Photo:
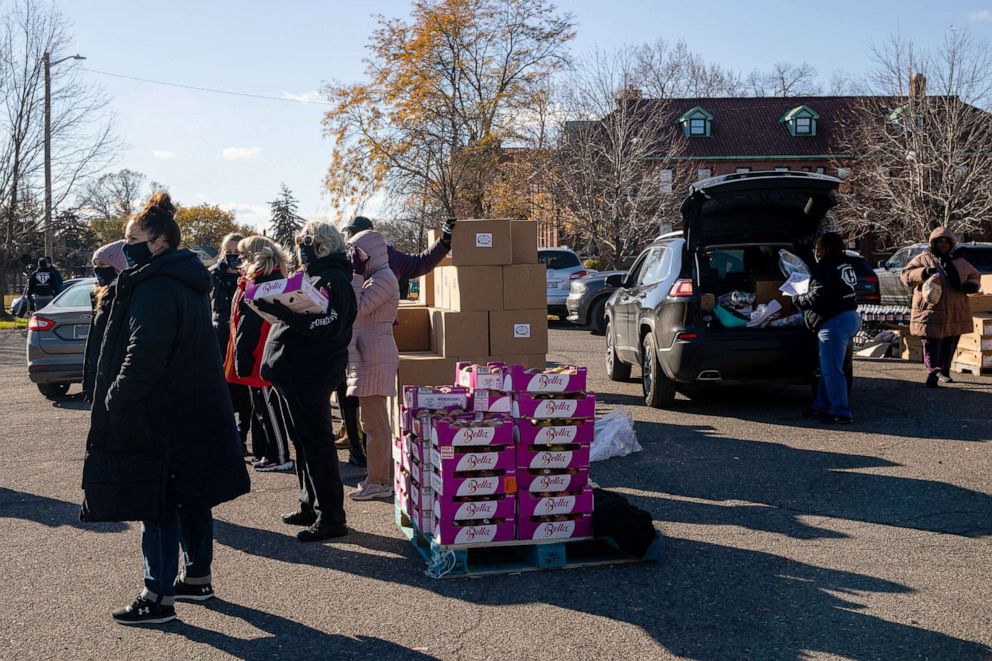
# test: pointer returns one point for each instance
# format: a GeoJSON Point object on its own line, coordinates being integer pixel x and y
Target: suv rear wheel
{"type": "Point", "coordinates": [53, 389]}
{"type": "Point", "coordinates": [659, 390]}
{"type": "Point", "coordinates": [597, 316]}
{"type": "Point", "coordinates": [615, 368]}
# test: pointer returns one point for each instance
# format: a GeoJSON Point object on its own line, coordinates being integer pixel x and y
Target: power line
{"type": "Point", "coordinates": [207, 89]}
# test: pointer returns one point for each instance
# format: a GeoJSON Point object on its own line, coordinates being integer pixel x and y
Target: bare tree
{"type": "Point", "coordinates": [81, 140]}
{"type": "Point", "coordinates": [784, 79]}
{"type": "Point", "coordinates": [667, 71]}
{"type": "Point", "coordinates": [113, 195]}
{"type": "Point", "coordinates": [615, 171]}
{"type": "Point", "coordinates": [924, 144]}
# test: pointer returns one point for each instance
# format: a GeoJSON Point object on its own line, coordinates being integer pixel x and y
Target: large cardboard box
{"type": "Point", "coordinates": [973, 342]}
{"type": "Point", "coordinates": [983, 324]}
{"type": "Point", "coordinates": [523, 234]}
{"type": "Point", "coordinates": [767, 290]}
{"type": "Point", "coordinates": [980, 303]}
{"type": "Point", "coordinates": [524, 287]}
{"type": "Point", "coordinates": [472, 288]}
{"type": "Point", "coordinates": [987, 284]}
{"type": "Point", "coordinates": [426, 296]}
{"type": "Point", "coordinates": [481, 243]}
{"type": "Point", "coordinates": [424, 368]}
{"type": "Point", "coordinates": [459, 333]}
{"type": "Point", "coordinates": [538, 360]}
{"type": "Point", "coordinates": [412, 331]}
{"type": "Point", "coordinates": [979, 359]}
{"type": "Point", "coordinates": [912, 349]}
{"type": "Point", "coordinates": [518, 332]}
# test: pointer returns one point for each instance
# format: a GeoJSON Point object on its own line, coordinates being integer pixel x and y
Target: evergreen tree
{"type": "Point", "coordinates": [285, 220]}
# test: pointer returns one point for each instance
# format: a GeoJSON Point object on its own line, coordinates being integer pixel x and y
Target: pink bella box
{"type": "Point", "coordinates": [295, 292]}
{"type": "Point", "coordinates": [520, 379]}
{"type": "Point", "coordinates": [526, 406]}
{"type": "Point", "coordinates": [449, 533]}
{"type": "Point", "coordinates": [491, 401]}
{"type": "Point", "coordinates": [497, 507]}
{"type": "Point", "coordinates": [425, 397]}
{"type": "Point", "coordinates": [573, 479]}
{"type": "Point", "coordinates": [527, 433]}
{"type": "Point", "coordinates": [539, 528]}
{"type": "Point", "coordinates": [480, 377]}
{"type": "Point", "coordinates": [562, 503]}
{"type": "Point", "coordinates": [535, 457]}
{"type": "Point", "coordinates": [444, 433]}
{"type": "Point", "coordinates": [451, 486]}
{"type": "Point", "coordinates": [446, 460]}
{"type": "Point", "coordinates": [422, 497]}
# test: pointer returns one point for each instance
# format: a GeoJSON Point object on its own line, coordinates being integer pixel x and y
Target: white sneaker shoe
{"type": "Point", "coordinates": [371, 492]}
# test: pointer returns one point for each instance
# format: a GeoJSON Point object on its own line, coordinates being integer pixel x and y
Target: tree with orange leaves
{"type": "Point", "coordinates": [444, 91]}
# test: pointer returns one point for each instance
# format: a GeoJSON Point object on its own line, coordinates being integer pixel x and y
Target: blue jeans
{"type": "Point", "coordinates": [835, 336]}
{"type": "Point", "coordinates": [160, 543]}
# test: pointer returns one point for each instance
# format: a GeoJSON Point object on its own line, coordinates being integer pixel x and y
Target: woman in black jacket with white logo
{"type": "Point", "coordinates": [831, 310]}
{"type": "Point", "coordinates": [162, 448]}
{"type": "Point", "coordinates": [305, 358]}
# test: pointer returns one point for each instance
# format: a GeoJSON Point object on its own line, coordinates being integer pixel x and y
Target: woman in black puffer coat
{"type": "Point", "coordinates": [163, 448]}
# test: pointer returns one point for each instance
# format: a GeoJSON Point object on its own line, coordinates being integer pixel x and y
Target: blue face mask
{"type": "Point", "coordinates": [105, 275]}
{"type": "Point", "coordinates": [233, 261]}
{"type": "Point", "coordinates": [137, 254]}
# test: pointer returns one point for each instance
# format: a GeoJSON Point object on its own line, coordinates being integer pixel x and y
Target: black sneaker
{"type": "Point", "coordinates": [188, 592]}
{"type": "Point", "coordinates": [814, 414]}
{"type": "Point", "coordinates": [144, 611]}
{"type": "Point", "coordinates": [945, 378]}
{"type": "Point", "coordinates": [300, 518]}
{"type": "Point", "coordinates": [320, 531]}
{"type": "Point", "coordinates": [838, 419]}
{"type": "Point", "coordinates": [933, 380]}
{"type": "Point", "coordinates": [356, 459]}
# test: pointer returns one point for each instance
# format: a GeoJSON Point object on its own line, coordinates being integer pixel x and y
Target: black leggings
{"type": "Point", "coordinates": [269, 437]}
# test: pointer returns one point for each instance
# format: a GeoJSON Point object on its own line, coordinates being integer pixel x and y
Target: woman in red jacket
{"type": "Point", "coordinates": [262, 260]}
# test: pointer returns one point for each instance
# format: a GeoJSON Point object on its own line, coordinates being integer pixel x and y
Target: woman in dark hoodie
{"type": "Point", "coordinates": [305, 358]}
{"type": "Point", "coordinates": [831, 310]}
{"type": "Point", "coordinates": [941, 324]}
{"type": "Point", "coordinates": [162, 448]}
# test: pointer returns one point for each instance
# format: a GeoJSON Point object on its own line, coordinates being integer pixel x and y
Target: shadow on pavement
{"type": "Point", "coordinates": [289, 639]}
{"type": "Point", "coordinates": [703, 601]}
{"type": "Point", "coordinates": [793, 481]}
{"type": "Point", "coordinates": [48, 511]}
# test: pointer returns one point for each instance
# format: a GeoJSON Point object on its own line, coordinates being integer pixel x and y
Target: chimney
{"type": "Point", "coordinates": [627, 94]}
{"type": "Point", "coordinates": [917, 86]}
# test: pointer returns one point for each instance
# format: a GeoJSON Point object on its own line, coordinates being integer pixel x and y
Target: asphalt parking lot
{"type": "Point", "coordinates": [783, 540]}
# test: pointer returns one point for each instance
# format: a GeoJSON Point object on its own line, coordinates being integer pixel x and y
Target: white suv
{"type": "Point", "coordinates": [563, 266]}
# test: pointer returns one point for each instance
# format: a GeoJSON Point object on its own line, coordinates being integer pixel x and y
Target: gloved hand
{"type": "Point", "coordinates": [449, 225]}
{"type": "Point", "coordinates": [275, 308]}
{"type": "Point", "coordinates": [930, 271]}
{"type": "Point", "coordinates": [970, 287]}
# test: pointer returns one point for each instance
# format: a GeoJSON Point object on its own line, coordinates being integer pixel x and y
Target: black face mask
{"type": "Point", "coordinates": [308, 254]}
{"type": "Point", "coordinates": [233, 261]}
{"type": "Point", "coordinates": [105, 275]}
{"type": "Point", "coordinates": [137, 254]}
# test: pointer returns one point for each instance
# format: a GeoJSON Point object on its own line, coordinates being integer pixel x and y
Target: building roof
{"type": "Point", "coordinates": [750, 127]}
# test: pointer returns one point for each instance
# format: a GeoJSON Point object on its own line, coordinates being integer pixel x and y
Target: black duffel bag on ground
{"type": "Point", "coordinates": [626, 524]}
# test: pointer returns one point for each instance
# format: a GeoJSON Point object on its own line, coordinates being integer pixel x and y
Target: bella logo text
{"type": "Point", "coordinates": [556, 505]}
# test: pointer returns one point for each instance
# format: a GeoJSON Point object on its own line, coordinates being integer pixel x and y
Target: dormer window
{"type": "Point", "coordinates": [696, 123]}
{"type": "Point", "coordinates": [800, 121]}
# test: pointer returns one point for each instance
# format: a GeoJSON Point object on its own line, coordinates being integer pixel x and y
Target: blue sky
{"type": "Point", "coordinates": [235, 151]}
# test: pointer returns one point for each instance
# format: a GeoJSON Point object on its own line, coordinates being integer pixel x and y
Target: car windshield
{"type": "Point", "coordinates": [77, 296]}
{"type": "Point", "coordinates": [558, 259]}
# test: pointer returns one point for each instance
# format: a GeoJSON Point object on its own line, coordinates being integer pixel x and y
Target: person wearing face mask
{"type": "Point", "coordinates": [830, 308]}
{"type": "Point", "coordinates": [162, 447]}
{"type": "Point", "coordinates": [940, 325]}
{"type": "Point", "coordinates": [224, 281]}
{"type": "Point", "coordinates": [374, 358]}
{"type": "Point", "coordinates": [305, 359]}
{"type": "Point", "coordinates": [108, 262]}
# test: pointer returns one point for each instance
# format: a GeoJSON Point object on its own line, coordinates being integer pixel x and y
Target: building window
{"type": "Point", "coordinates": [804, 125]}
{"type": "Point", "coordinates": [782, 169]}
{"type": "Point", "coordinates": [800, 121]}
{"type": "Point", "coordinates": [696, 123]}
{"type": "Point", "coordinates": [704, 173]}
{"type": "Point", "coordinates": [667, 177]}
{"type": "Point", "coordinates": [821, 171]}
{"type": "Point", "coordinates": [697, 127]}
{"type": "Point", "coordinates": [742, 170]}
{"type": "Point", "coordinates": [805, 168]}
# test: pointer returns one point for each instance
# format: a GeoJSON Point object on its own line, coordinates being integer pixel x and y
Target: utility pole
{"type": "Point", "coordinates": [48, 146]}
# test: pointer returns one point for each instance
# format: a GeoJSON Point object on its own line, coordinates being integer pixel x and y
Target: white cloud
{"type": "Point", "coordinates": [307, 97]}
{"type": "Point", "coordinates": [200, 196]}
{"type": "Point", "coordinates": [245, 212]}
{"type": "Point", "coordinates": [239, 153]}
{"type": "Point", "coordinates": [163, 154]}
{"type": "Point", "coordinates": [983, 16]}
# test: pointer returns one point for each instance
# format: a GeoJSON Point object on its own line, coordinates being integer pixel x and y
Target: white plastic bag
{"type": "Point", "coordinates": [615, 436]}
{"type": "Point", "coordinates": [932, 290]}
{"type": "Point", "coordinates": [791, 264]}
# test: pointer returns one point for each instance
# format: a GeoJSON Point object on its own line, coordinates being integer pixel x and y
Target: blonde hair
{"type": "Point", "coordinates": [326, 237]}
{"type": "Point", "coordinates": [231, 236]}
{"type": "Point", "coordinates": [262, 255]}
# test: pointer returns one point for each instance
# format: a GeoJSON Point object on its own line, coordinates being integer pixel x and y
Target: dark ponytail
{"type": "Point", "coordinates": [158, 218]}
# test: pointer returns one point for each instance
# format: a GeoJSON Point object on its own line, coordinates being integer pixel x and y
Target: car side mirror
{"type": "Point", "coordinates": [615, 280]}
{"type": "Point", "coordinates": [883, 264]}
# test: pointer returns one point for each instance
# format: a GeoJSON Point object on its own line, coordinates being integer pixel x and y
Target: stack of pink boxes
{"type": "Point", "coordinates": [501, 455]}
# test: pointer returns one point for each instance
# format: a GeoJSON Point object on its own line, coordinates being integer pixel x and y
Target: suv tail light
{"type": "Point", "coordinates": [578, 274]}
{"type": "Point", "coordinates": [871, 279]}
{"type": "Point", "coordinates": [37, 323]}
{"type": "Point", "coordinates": [682, 289]}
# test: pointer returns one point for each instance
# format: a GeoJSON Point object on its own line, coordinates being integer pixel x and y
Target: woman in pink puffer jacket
{"type": "Point", "coordinates": [373, 357]}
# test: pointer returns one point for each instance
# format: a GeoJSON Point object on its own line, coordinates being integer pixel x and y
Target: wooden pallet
{"type": "Point", "coordinates": [961, 368]}
{"type": "Point", "coordinates": [514, 557]}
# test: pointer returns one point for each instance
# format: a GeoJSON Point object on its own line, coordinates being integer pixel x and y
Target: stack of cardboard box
{"type": "Point", "coordinates": [974, 352]}
{"type": "Point", "coordinates": [486, 301]}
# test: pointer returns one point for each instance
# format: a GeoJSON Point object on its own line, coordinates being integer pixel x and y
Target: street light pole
{"type": "Point", "coordinates": [48, 146]}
